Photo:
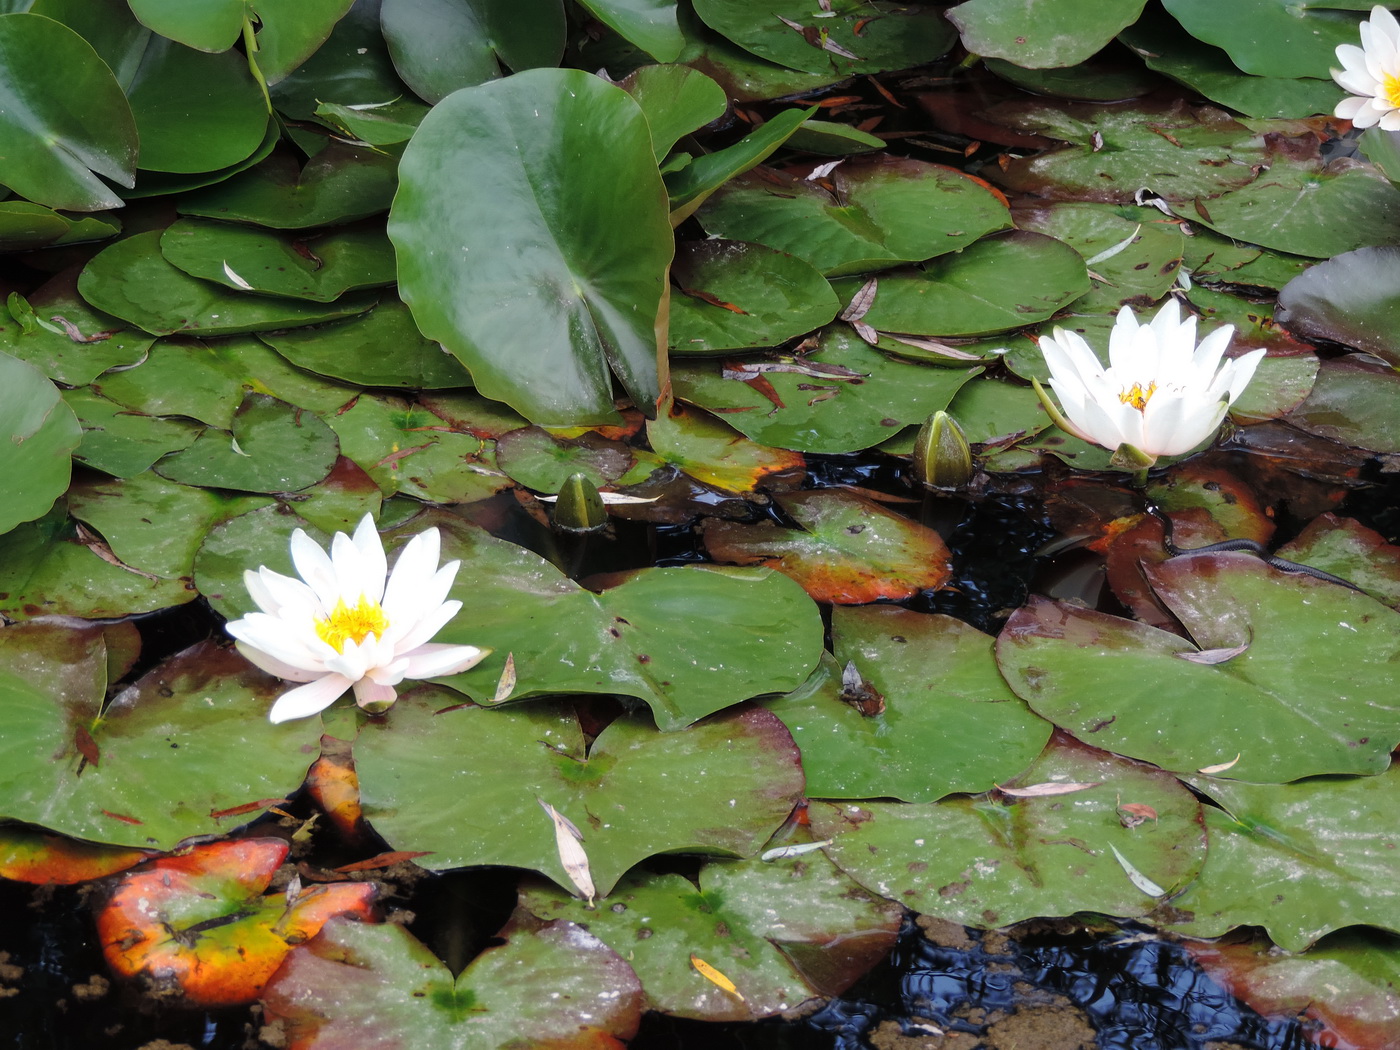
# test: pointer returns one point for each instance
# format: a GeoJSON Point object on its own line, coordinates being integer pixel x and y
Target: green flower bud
{"type": "Point", "coordinates": [942, 459]}
{"type": "Point", "coordinates": [580, 508]}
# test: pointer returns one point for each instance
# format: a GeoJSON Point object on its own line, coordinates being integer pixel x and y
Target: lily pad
{"type": "Point", "coordinates": [199, 928]}
{"type": "Point", "coordinates": [782, 933]}
{"type": "Point", "coordinates": [123, 442]}
{"type": "Point", "coordinates": [133, 281]}
{"type": "Point", "coordinates": [66, 120]}
{"type": "Point", "coordinates": [729, 295]}
{"type": "Point", "coordinates": [1273, 38]}
{"type": "Point", "coordinates": [1210, 71]}
{"type": "Point", "coordinates": [544, 463]}
{"type": "Point", "coordinates": [1312, 692]}
{"type": "Point", "coordinates": [843, 397]}
{"type": "Point", "coordinates": [179, 377]}
{"type": "Point", "coordinates": [76, 356]}
{"type": "Point", "coordinates": [557, 987]}
{"type": "Point", "coordinates": [572, 302]}
{"type": "Point", "coordinates": [715, 454]}
{"type": "Point", "coordinates": [1301, 860]}
{"type": "Point", "coordinates": [1348, 549]}
{"type": "Point", "coordinates": [1351, 298]}
{"type": "Point", "coordinates": [1135, 258]}
{"type": "Point", "coordinates": [320, 266]}
{"type": "Point", "coordinates": [40, 433]}
{"type": "Point", "coordinates": [1355, 401]}
{"type": "Point", "coordinates": [850, 38]}
{"type": "Point", "coordinates": [439, 46]}
{"type": "Point", "coordinates": [43, 859]}
{"type": "Point", "coordinates": [339, 184]}
{"type": "Point", "coordinates": [1307, 209]}
{"type": "Point", "coordinates": [877, 212]}
{"type": "Point", "coordinates": [25, 226]}
{"type": "Point", "coordinates": [1002, 282]}
{"type": "Point", "coordinates": [408, 449]}
{"type": "Point", "coordinates": [850, 550]}
{"type": "Point", "coordinates": [689, 641]}
{"type": "Point", "coordinates": [949, 722]}
{"type": "Point", "coordinates": [635, 793]}
{"type": "Point", "coordinates": [1039, 35]}
{"type": "Point", "coordinates": [675, 100]}
{"type": "Point", "coordinates": [690, 186]}
{"type": "Point", "coordinates": [1178, 151]}
{"type": "Point", "coordinates": [353, 350]}
{"type": "Point", "coordinates": [272, 447]}
{"type": "Point", "coordinates": [991, 860]}
{"type": "Point", "coordinates": [183, 752]}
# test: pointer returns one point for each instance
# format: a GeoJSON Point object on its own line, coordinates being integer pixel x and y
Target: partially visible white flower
{"type": "Point", "coordinates": [1161, 394]}
{"type": "Point", "coordinates": [341, 627]}
{"type": "Point", "coordinates": [1372, 74]}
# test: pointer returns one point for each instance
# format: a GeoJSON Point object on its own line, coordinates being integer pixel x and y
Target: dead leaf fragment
{"type": "Point", "coordinates": [1046, 790]}
{"type": "Point", "coordinates": [716, 978]}
{"type": "Point", "coordinates": [568, 840]}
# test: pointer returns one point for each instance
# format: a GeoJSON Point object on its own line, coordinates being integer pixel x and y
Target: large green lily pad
{"type": "Point", "coordinates": [949, 722]}
{"type": "Point", "coordinates": [1346, 548]}
{"type": "Point", "coordinates": [558, 987]}
{"type": "Point", "coordinates": [991, 860]}
{"type": "Point", "coordinates": [1301, 860]}
{"type": "Point", "coordinates": [1355, 401]}
{"type": "Point", "coordinates": [550, 286]}
{"type": "Point", "coordinates": [782, 933]}
{"type": "Point", "coordinates": [123, 442]}
{"type": "Point", "coordinates": [1273, 38]}
{"type": "Point", "coordinates": [871, 213]}
{"type": "Point", "coordinates": [1038, 34]}
{"type": "Point", "coordinates": [65, 121]}
{"type": "Point", "coordinates": [1312, 692]}
{"type": "Point", "coordinates": [844, 397]}
{"type": "Point", "coordinates": [183, 752]}
{"type": "Point", "coordinates": [999, 283]}
{"type": "Point", "coordinates": [849, 550]}
{"type": "Point", "coordinates": [675, 100]}
{"type": "Point", "coordinates": [467, 782]}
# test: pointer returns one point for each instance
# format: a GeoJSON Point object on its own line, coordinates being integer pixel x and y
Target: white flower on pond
{"type": "Point", "coordinates": [341, 626]}
{"type": "Point", "coordinates": [1161, 394]}
{"type": "Point", "coordinates": [1372, 74]}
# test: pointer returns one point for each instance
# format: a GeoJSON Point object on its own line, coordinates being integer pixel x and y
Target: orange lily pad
{"type": "Point", "coordinates": [334, 786]}
{"type": "Point", "coordinates": [28, 855]}
{"type": "Point", "coordinates": [850, 550]}
{"type": "Point", "coordinates": [199, 930]}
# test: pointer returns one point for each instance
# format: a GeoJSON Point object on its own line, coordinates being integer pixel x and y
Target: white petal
{"type": "Point", "coordinates": [274, 666]}
{"type": "Point", "coordinates": [372, 561]}
{"type": "Point", "coordinates": [368, 693]}
{"type": "Point", "coordinates": [289, 597]}
{"type": "Point", "coordinates": [416, 565]}
{"type": "Point", "coordinates": [1348, 108]}
{"type": "Point", "coordinates": [434, 661]}
{"type": "Point", "coordinates": [1365, 116]}
{"type": "Point", "coordinates": [1243, 372]}
{"type": "Point", "coordinates": [279, 639]}
{"type": "Point", "coordinates": [314, 566]}
{"type": "Point", "coordinates": [308, 699]}
{"type": "Point", "coordinates": [354, 660]}
{"type": "Point", "coordinates": [406, 607]}
{"type": "Point", "coordinates": [1356, 81]}
{"type": "Point", "coordinates": [1211, 350]}
{"type": "Point", "coordinates": [427, 626]}
{"type": "Point", "coordinates": [1384, 22]}
{"type": "Point", "coordinates": [1390, 122]}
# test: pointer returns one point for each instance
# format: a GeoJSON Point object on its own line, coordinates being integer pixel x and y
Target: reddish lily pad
{"type": "Point", "coordinates": [938, 717]}
{"type": "Point", "coordinates": [1357, 968]}
{"type": "Point", "coordinates": [27, 855]}
{"type": "Point", "coordinates": [852, 551]}
{"type": "Point", "coordinates": [198, 929]}
{"type": "Point", "coordinates": [334, 786]}
{"type": "Point", "coordinates": [1300, 859]}
{"type": "Point", "coordinates": [712, 453]}
{"type": "Point", "coordinates": [1312, 690]}
{"type": "Point", "coordinates": [991, 860]}
{"type": "Point", "coordinates": [1348, 549]}
{"type": "Point", "coordinates": [557, 986]}
{"type": "Point", "coordinates": [634, 793]}
{"type": "Point", "coordinates": [782, 933]}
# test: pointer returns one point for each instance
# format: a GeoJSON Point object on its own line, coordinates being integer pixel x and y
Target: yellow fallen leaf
{"type": "Point", "coordinates": [716, 978]}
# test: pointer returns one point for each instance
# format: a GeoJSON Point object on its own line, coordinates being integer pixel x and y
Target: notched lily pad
{"type": "Point", "coordinates": [781, 933]}
{"type": "Point", "coordinates": [1351, 298]}
{"type": "Point", "coordinates": [723, 786]}
{"type": "Point", "coordinates": [851, 550]}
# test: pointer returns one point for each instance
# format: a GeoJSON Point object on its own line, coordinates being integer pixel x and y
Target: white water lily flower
{"type": "Point", "coordinates": [1372, 74]}
{"type": "Point", "coordinates": [1161, 394]}
{"type": "Point", "coordinates": [341, 627]}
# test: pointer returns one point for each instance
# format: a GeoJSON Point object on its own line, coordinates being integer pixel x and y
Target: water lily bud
{"type": "Point", "coordinates": [942, 459]}
{"type": "Point", "coordinates": [579, 508]}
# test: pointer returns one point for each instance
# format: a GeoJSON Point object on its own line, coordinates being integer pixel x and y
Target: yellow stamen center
{"type": "Point", "coordinates": [352, 623]}
{"type": "Point", "coordinates": [1390, 90]}
{"type": "Point", "coordinates": [1137, 396]}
